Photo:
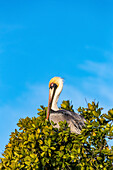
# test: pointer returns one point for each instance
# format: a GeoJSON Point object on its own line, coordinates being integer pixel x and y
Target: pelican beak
{"type": "Point", "coordinates": [49, 104]}
{"type": "Point", "coordinates": [51, 96]}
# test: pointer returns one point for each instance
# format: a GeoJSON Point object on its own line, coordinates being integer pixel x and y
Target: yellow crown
{"type": "Point", "coordinates": [55, 80]}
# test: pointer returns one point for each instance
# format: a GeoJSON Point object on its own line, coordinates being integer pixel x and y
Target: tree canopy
{"type": "Point", "coordinates": [38, 145]}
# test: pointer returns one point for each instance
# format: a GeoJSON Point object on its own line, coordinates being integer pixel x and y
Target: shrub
{"type": "Point", "coordinates": [38, 145]}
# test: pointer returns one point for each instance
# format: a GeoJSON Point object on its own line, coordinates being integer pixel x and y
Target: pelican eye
{"type": "Point", "coordinates": [53, 85]}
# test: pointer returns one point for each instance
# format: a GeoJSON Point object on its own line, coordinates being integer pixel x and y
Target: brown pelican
{"type": "Point", "coordinates": [74, 120]}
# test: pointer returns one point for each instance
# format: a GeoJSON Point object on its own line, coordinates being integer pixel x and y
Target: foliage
{"type": "Point", "coordinates": [38, 145]}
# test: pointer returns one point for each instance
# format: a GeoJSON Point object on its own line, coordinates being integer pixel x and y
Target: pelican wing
{"type": "Point", "coordinates": [75, 121]}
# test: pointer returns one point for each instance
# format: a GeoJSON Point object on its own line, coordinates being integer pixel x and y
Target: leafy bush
{"type": "Point", "coordinates": [38, 145]}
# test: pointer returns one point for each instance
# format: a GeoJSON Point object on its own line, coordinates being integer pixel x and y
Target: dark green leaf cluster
{"type": "Point", "coordinates": [38, 145]}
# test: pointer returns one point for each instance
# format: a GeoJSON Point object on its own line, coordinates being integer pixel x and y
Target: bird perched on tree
{"type": "Point", "coordinates": [74, 120]}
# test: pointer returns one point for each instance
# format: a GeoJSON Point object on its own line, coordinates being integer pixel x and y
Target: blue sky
{"type": "Point", "coordinates": [41, 39]}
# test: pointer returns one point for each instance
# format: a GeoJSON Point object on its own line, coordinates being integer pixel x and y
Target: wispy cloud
{"type": "Point", "coordinates": [99, 81]}
{"type": "Point", "coordinates": [108, 54]}
{"type": "Point", "coordinates": [100, 69]}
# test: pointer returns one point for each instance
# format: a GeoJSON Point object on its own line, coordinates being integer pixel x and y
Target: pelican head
{"type": "Point", "coordinates": [55, 88]}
